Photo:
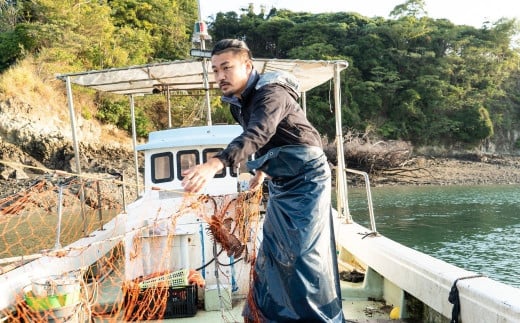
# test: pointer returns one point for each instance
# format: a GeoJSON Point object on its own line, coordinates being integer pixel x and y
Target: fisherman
{"type": "Point", "coordinates": [295, 273]}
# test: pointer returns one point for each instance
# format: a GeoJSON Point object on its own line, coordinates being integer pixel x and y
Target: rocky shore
{"type": "Point", "coordinates": [453, 171]}
{"type": "Point", "coordinates": [32, 138]}
{"type": "Point", "coordinates": [419, 170]}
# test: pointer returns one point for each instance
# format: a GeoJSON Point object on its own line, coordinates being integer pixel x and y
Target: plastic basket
{"type": "Point", "coordinates": [174, 279]}
{"type": "Point", "coordinates": [180, 302]}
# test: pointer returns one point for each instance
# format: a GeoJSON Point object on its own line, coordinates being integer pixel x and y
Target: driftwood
{"type": "Point", "coordinates": [372, 157]}
{"type": "Point", "coordinates": [385, 161]}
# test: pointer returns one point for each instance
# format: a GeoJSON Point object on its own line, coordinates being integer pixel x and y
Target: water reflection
{"type": "Point", "coordinates": [473, 227]}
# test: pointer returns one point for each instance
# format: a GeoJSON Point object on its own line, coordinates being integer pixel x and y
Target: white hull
{"type": "Point", "coordinates": [392, 270]}
{"type": "Point", "coordinates": [426, 278]}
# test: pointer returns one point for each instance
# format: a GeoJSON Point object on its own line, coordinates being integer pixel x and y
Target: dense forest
{"type": "Point", "coordinates": [411, 77]}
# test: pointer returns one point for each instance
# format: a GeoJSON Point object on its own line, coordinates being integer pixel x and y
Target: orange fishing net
{"type": "Point", "coordinates": [43, 222]}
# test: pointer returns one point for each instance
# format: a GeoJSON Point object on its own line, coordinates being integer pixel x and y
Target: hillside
{"type": "Point", "coordinates": [35, 131]}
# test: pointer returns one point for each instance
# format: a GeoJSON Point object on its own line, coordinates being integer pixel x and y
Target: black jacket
{"type": "Point", "coordinates": [270, 116]}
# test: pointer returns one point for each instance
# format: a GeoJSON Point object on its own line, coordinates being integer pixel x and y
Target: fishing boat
{"type": "Point", "coordinates": [169, 255]}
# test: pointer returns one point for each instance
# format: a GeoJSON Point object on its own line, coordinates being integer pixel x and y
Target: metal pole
{"type": "Point", "coordinates": [73, 124]}
{"type": "Point", "coordinates": [219, 293]}
{"type": "Point", "coordinates": [76, 149]}
{"type": "Point", "coordinates": [100, 211]}
{"type": "Point", "coordinates": [199, 12]}
{"type": "Point", "coordinates": [369, 197]}
{"type": "Point", "coordinates": [123, 191]}
{"type": "Point", "coordinates": [206, 82]}
{"type": "Point", "coordinates": [57, 245]}
{"type": "Point", "coordinates": [168, 98]}
{"type": "Point", "coordinates": [204, 69]}
{"type": "Point", "coordinates": [134, 143]}
{"type": "Point", "coordinates": [342, 203]}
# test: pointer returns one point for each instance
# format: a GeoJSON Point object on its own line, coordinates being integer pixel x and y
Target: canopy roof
{"type": "Point", "coordinates": [188, 75]}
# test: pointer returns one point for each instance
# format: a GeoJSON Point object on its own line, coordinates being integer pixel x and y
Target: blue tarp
{"type": "Point", "coordinates": [296, 272]}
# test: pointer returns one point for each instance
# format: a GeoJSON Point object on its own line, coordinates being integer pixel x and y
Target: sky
{"type": "Point", "coordinates": [460, 12]}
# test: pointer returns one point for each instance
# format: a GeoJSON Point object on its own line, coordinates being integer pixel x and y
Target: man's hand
{"type": "Point", "coordinates": [196, 177]}
{"type": "Point", "coordinates": [257, 180]}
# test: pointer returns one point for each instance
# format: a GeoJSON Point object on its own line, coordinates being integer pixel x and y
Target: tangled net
{"type": "Point", "coordinates": [232, 229]}
{"type": "Point", "coordinates": [30, 229]}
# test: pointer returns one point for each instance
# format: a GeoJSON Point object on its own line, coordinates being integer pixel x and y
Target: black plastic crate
{"type": "Point", "coordinates": [149, 303]}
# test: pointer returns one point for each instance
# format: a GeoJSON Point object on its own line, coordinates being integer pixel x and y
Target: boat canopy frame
{"type": "Point", "coordinates": [183, 77]}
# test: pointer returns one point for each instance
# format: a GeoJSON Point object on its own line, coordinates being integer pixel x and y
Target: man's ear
{"type": "Point", "coordinates": [249, 65]}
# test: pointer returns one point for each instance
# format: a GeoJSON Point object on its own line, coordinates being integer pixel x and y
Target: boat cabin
{"type": "Point", "coordinates": [169, 152]}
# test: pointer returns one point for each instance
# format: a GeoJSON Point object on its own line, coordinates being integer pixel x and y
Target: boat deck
{"type": "Point", "coordinates": [354, 310]}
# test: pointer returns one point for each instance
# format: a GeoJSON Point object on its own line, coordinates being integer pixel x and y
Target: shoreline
{"type": "Point", "coordinates": [452, 171]}
{"type": "Point", "coordinates": [418, 171]}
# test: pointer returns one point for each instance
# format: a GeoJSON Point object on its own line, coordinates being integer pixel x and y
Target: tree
{"type": "Point", "coordinates": [411, 8]}
{"type": "Point", "coordinates": [163, 25]}
{"type": "Point", "coordinates": [413, 78]}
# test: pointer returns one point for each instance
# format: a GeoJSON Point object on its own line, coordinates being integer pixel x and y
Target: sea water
{"type": "Point", "coordinates": [473, 227]}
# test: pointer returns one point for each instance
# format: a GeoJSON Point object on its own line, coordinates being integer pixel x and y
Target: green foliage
{"type": "Point", "coordinates": [98, 34]}
{"type": "Point", "coordinates": [222, 115]}
{"type": "Point", "coordinates": [321, 114]}
{"type": "Point", "coordinates": [410, 8]}
{"type": "Point", "coordinates": [412, 77]}
{"type": "Point", "coordinates": [142, 123]}
{"type": "Point", "coordinates": [10, 51]}
{"type": "Point", "coordinates": [21, 40]}
{"type": "Point", "coordinates": [118, 113]}
{"type": "Point", "coordinates": [314, 51]}
{"type": "Point", "coordinates": [517, 143]}
{"type": "Point", "coordinates": [86, 114]}
{"type": "Point", "coordinates": [473, 125]}
{"type": "Point", "coordinates": [155, 30]}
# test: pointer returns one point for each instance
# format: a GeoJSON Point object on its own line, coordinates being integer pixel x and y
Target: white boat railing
{"type": "Point", "coordinates": [369, 197]}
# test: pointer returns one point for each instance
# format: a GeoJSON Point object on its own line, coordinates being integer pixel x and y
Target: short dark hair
{"type": "Point", "coordinates": [229, 44]}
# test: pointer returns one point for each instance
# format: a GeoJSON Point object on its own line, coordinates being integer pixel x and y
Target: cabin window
{"type": "Point", "coordinates": [162, 167]}
{"type": "Point", "coordinates": [210, 152]}
{"type": "Point", "coordinates": [185, 160]}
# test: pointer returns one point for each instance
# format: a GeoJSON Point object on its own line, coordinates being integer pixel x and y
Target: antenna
{"type": "Point", "coordinates": [200, 35]}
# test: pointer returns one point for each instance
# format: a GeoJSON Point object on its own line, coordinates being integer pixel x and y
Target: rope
{"type": "Point", "coordinates": [370, 234]}
{"type": "Point", "coordinates": [453, 298]}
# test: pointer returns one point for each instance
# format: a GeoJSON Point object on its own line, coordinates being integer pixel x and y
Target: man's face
{"type": "Point", "coordinates": [231, 71]}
